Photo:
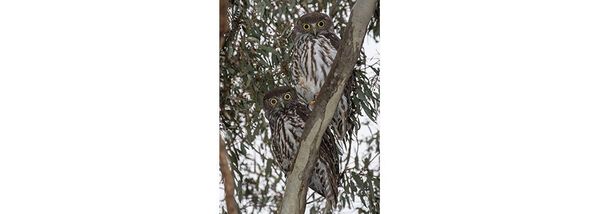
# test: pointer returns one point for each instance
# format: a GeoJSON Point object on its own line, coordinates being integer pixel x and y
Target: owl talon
{"type": "Point", "coordinates": [311, 104]}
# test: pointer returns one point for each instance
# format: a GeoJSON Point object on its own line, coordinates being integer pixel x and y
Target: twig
{"type": "Point", "coordinates": [348, 158]}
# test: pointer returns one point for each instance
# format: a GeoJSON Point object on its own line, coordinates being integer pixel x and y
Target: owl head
{"type": "Point", "coordinates": [313, 23]}
{"type": "Point", "coordinates": [279, 99]}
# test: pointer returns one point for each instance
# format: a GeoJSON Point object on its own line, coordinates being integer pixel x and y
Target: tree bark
{"type": "Point", "coordinates": [223, 22]}
{"type": "Point", "coordinates": [294, 200]}
{"type": "Point", "coordinates": [232, 206]}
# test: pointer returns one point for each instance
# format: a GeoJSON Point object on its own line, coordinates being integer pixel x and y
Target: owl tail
{"type": "Point", "coordinates": [329, 205]}
{"type": "Point", "coordinates": [331, 195]}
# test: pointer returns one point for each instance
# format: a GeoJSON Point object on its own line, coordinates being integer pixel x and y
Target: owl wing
{"type": "Point", "coordinates": [333, 39]}
{"type": "Point", "coordinates": [302, 110]}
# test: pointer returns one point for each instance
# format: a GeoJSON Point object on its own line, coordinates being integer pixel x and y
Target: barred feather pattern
{"type": "Point", "coordinates": [287, 125]}
{"type": "Point", "coordinates": [312, 58]}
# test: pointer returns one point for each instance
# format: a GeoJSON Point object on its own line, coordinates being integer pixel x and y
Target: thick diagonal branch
{"type": "Point", "coordinates": [294, 200]}
{"type": "Point", "coordinates": [232, 207]}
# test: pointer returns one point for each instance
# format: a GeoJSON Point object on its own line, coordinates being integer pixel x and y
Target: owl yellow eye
{"type": "Point", "coordinates": [306, 26]}
{"type": "Point", "coordinates": [273, 101]}
{"type": "Point", "coordinates": [287, 96]}
{"type": "Point", "coordinates": [321, 24]}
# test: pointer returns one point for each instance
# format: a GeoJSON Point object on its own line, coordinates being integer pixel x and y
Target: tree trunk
{"type": "Point", "coordinates": [294, 200]}
{"type": "Point", "coordinates": [232, 207]}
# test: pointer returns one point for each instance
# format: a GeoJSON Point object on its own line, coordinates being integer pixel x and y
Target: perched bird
{"type": "Point", "coordinates": [287, 116]}
{"type": "Point", "coordinates": [312, 56]}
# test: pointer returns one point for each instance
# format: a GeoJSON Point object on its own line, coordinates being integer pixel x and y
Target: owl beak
{"type": "Point", "coordinates": [314, 30]}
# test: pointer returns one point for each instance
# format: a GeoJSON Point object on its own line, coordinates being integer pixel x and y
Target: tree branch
{"type": "Point", "coordinates": [232, 206]}
{"type": "Point", "coordinates": [294, 200]}
{"type": "Point", "coordinates": [223, 22]}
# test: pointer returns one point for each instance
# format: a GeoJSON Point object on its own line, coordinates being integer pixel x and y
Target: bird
{"type": "Point", "coordinates": [312, 54]}
{"type": "Point", "coordinates": [287, 115]}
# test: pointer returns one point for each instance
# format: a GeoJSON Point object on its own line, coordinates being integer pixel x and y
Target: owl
{"type": "Point", "coordinates": [312, 56]}
{"type": "Point", "coordinates": [287, 115]}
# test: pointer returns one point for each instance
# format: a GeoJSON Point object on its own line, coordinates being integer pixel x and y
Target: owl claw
{"type": "Point", "coordinates": [311, 104]}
